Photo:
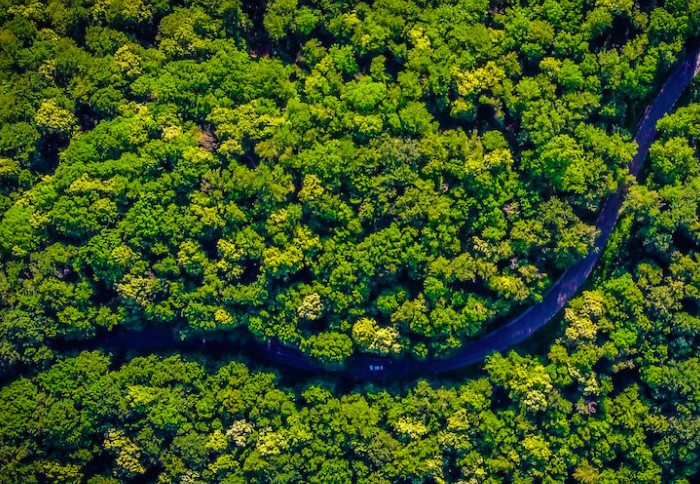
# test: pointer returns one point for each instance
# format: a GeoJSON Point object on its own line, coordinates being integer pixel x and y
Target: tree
{"type": "Point", "coordinates": [370, 337]}
{"type": "Point", "coordinates": [673, 160]}
{"type": "Point", "coordinates": [330, 347]}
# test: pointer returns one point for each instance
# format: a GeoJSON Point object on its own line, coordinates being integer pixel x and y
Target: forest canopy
{"type": "Point", "coordinates": [392, 177]}
{"type": "Point", "coordinates": [388, 177]}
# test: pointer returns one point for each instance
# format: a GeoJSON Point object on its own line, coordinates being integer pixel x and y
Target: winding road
{"type": "Point", "coordinates": [363, 367]}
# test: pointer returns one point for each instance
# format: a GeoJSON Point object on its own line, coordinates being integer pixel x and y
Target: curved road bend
{"type": "Point", "coordinates": [363, 367]}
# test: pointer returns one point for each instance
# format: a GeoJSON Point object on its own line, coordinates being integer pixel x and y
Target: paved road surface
{"type": "Point", "coordinates": [364, 367]}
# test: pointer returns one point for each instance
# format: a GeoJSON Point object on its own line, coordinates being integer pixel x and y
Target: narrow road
{"type": "Point", "coordinates": [363, 367]}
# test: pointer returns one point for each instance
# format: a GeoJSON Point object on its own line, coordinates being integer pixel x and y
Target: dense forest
{"type": "Point", "coordinates": [393, 177]}
{"type": "Point", "coordinates": [338, 177]}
